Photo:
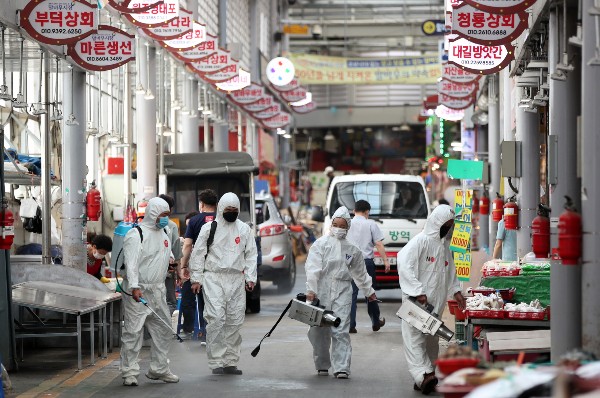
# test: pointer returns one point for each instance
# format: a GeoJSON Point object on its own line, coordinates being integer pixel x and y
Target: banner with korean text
{"type": "Point", "coordinates": [317, 69]}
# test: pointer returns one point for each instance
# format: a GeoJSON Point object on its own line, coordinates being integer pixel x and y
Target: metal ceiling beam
{"type": "Point", "coordinates": [360, 116]}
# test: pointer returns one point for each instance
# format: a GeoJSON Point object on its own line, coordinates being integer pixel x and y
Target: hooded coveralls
{"type": "Point", "coordinates": [331, 266]}
{"type": "Point", "coordinates": [147, 263]}
{"type": "Point", "coordinates": [425, 266]}
{"type": "Point", "coordinates": [231, 262]}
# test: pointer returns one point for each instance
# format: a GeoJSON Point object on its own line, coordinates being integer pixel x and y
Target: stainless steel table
{"type": "Point", "coordinates": [32, 297]}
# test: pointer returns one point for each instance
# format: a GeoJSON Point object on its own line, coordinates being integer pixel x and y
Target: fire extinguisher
{"type": "Point", "coordinates": [141, 207]}
{"type": "Point", "coordinates": [7, 222]}
{"type": "Point", "coordinates": [93, 202]}
{"type": "Point", "coordinates": [497, 208]}
{"type": "Point", "coordinates": [484, 204]}
{"type": "Point", "coordinates": [511, 214]}
{"type": "Point", "coordinates": [475, 208]}
{"type": "Point", "coordinates": [569, 234]}
{"type": "Point", "coordinates": [540, 232]}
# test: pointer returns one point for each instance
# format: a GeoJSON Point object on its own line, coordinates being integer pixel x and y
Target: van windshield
{"type": "Point", "coordinates": [388, 199]}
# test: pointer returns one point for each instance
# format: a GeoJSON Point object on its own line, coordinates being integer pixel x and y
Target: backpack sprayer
{"type": "Point", "coordinates": [311, 314]}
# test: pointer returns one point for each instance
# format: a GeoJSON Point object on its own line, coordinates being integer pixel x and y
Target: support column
{"type": "Point", "coordinates": [529, 187]}
{"type": "Point", "coordinates": [190, 137]}
{"type": "Point", "coordinates": [565, 103]}
{"type": "Point", "coordinates": [494, 139]}
{"type": "Point", "coordinates": [206, 118]}
{"type": "Point", "coordinates": [73, 172]}
{"type": "Point", "coordinates": [146, 126]}
{"type": "Point", "coordinates": [590, 192]}
{"type": "Point", "coordinates": [484, 219]}
{"type": "Point", "coordinates": [240, 132]}
{"type": "Point", "coordinates": [254, 38]}
{"type": "Point", "coordinates": [128, 135]}
{"type": "Point", "coordinates": [284, 178]}
{"type": "Point", "coordinates": [223, 23]}
{"type": "Point", "coordinates": [220, 136]}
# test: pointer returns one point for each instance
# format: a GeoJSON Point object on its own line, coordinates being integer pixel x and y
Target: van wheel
{"type": "Point", "coordinates": [286, 284]}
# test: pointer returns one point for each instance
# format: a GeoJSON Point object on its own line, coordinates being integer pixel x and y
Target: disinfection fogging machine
{"type": "Point", "coordinates": [422, 318]}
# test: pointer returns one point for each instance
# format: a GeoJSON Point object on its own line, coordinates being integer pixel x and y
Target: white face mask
{"type": "Point", "coordinates": [97, 255]}
{"type": "Point", "coordinates": [339, 233]}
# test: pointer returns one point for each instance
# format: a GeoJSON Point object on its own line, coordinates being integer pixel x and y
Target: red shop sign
{"type": "Point", "coordinates": [458, 75]}
{"type": "Point", "coordinates": [483, 27]}
{"type": "Point", "coordinates": [294, 95]}
{"type": "Point", "coordinates": [161, 14]}
{"type": "Point", "coordinates": [201, 51]}
{"type": "Point", "coordinates": [290, 86]}
{"type": "Point", "coordinates": [478, 58]}
{"type": "Point", "coordinates": [212, 63]}
{"type": "Point", "coordinates": [501, 6]}
{"type": "Point", "coordinates": [106, 49]}
{"type": "Point", "coordinates": [224, 74]}
{"type": "Point", "coordinates": [260, 105]}
{"type": "Point", "coordinates": [271, 111]}
{"type": "Point", "coordinates": [281, 120]}
{"type": "Point", "coordinates": [311, 106]}
{"type": "Point", "coordinates": [456, 103]}
{"type": "Point", "coordinates": [174, 29]}
{"type": "Point", "coordinates": [122, 8]}
{"type": "Point", "coordinates": [431, 102]}
{"type": "Point", "coordinates": [456, 89]}
{"type": "Point", "coordinates": [189, 40]}
{"type": "Point", "coordinates": [58, 21]}
{"type": "Point", "coordinates": [248, 95]}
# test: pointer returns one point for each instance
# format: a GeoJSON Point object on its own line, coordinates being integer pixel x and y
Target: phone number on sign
{"type": "Point", "coordinates": [62, 31]}
{"type": "Point", "coordinates": [98, 59]}
{"type": "Point", "coordinates": [476, 62]}
{"type": "Point", "coordinates": [486, 32]}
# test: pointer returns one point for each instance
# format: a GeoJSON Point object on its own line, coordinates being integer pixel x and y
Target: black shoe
{"type": "Point", "coordinates": [381, 324]}
{"type": "Point", "coordinates": [429, 383]}
{"type": "Point", "coordinates": [416, 387]}
{"type": "Point", "coordinates": [232, 370]}
{"type": "Point", "coordinates": [353, 330]}
{"type": "Point", "coordinates": [218, 371]}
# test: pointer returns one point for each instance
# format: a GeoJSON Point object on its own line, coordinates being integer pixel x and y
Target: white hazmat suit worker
{"type": "Point", "coordinates": [332, 263]}
{"type": "Point", "coordinates": [222, 274]}
{"type": "Point", "coordinates": [427, 272]}
{"type": "Point", "coordinates": [146, 264]}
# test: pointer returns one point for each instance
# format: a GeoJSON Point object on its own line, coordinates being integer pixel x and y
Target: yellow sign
{"type": "Point", "coordinates": [296, 29]}
{"type": "Point", "coordinates": [429, 27]}
{"type": "Point", "coordinates": [461, 237]}
{"type": "Point", "coordinates": [462, 262]}
{"type": "Point", "coordinates": [458, 199]}
{"type": "Point", "coordinates": [319, 69]}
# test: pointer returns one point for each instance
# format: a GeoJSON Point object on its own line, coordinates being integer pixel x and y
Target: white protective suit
{"type": "Point", "coordinates": [231, 262]}
{"type": "Point", "coordinates": [147, 263]}
{"type": "Point", "coordinates": [331, 266]}
{"type": "Point", "coordinates": [425, 266]}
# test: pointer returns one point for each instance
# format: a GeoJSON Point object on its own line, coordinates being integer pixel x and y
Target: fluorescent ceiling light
{"type": "Point", "coordinates": [329, 136]}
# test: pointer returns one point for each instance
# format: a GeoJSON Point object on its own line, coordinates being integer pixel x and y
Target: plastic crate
{"type": "Point", "coordinates": [485, 314]}
{"type": "Point", "coordinates": [459, 332]}
{"type": "Point", "coordinates": [529, 316]}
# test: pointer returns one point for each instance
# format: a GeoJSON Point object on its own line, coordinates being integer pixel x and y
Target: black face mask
{"type": "Point", "coordinates": [230, 216]}
{"type": "Point", "coordinates": [444, 231]}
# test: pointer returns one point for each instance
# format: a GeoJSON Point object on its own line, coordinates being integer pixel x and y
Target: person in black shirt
{"type": "Point", "coordinates": [208, 211]}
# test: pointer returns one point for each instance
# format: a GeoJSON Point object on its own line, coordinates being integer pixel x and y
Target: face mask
{"type": "Point", "coordinates": [97, 255]}
{"type": "Point", "coordinates": [339, 233]}
{"type": "Point", "coordinates": [230, 216]}
{"type": "Point", "coordinates": [444, 230]}
{"type": "Point", "coordinates": [162, 222]}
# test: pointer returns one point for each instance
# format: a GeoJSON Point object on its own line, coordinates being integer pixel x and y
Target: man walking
{"type": "Point", "coordinates": [173, 232]}
{"type": "Point", "coordinates": [366, 235]}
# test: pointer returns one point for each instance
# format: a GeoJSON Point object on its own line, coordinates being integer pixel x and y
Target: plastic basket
{"type": "Point", "coordinates": [451, 365]}
{"type": "Point", "coordinates": [452, 306]}
{"type": "Point", "coordinates": [512, 272]}
{"type": "Point", "coordinates": [529, 316]}
{"type": "Point", "coordinates": [485, 314]}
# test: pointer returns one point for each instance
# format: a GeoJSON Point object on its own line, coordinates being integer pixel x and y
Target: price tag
{"type": "Point", "coordinates": [458, 199]}
{"type": "Point", "coordinates": [462, 262]}
{"type": "Point", "coordinates": [461, 237]}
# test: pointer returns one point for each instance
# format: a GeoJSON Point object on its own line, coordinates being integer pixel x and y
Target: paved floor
{"type": "Point", "coordinates": [283, 368]}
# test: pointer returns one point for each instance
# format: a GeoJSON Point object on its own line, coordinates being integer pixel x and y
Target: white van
{"type": "Point", "coordinates": [399, 204]}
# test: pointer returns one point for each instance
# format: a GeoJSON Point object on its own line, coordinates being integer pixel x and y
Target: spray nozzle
{"type": "Point", "coordinates": [543, 210]}
{"type": "Point", "coordinates": [569, 205]}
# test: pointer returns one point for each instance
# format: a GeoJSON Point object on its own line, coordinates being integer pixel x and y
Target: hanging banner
{"type": "Point", "coordinates": [501, 6]}
{"type": "Point", "coordinates": [443, 112]}
{"type": "Point", "coordinates": [279, 121]}
{"type": "Point", "coordinates": [238, 82]}
{"type": "Point", "coordinates": [106, 49]}
{"type": "Point", "coordinates": [123, 8]}
{"type": "Point", "coordinates": [457, 90]}
{"type": "Point", "coordinates": [271, 111]}
{"type": "Point", "coordinates": [174, 29]}
{"type": "Point", "coordinates": [162, 14]}
{"type": "Point", "coordinates": [201, 51]}
{"type": "Point", "coordinates": [462, 262]}
{"type": "Point", "coordinates": [479, 58]}
{"type": "Point", "coordinates": [188, 41]}
{"type": "Point", "coordinates": [458, 75]}
{"type": "Point", "coordinates": [456, 103]}
{"type": "Point", "coordinates": [223, 75]}
{"type": "Point", "coordinates": [318, 69]}
{"type": "Point", "coordinates": [248, 95]}
{"type": "Point", "coordinates": [460, 237]}
{"type": "Point", "coordinates": [290, 86]}
{"type": "Point", "coordinates": [260, 105]}
{"type": "Point", "coordinates": [311, 106]}
{"type": "Point", "coordinates": [213, 63]}
{"type": "Point", "coordinates": [486, 28]}
{"type": "Point", "coordinates": [58, 21]}
{"type": "Point", "coordinates": [294, 95]}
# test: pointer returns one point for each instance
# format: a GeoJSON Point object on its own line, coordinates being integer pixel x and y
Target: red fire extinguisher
{"type": "Point", "coordinates": [141, 207]}
{"type": "Point", "coordinates": [484, 204]}
{"type": "Point", "coordinates": [511, 214]}
{"type": "Point", "coordinates": [540, 232]}
{"type": "Point", "coordinates": [93, 203]}
{"type": "Point", "coordinates": [7, 222]}
{"type": "Point", "coordinates": [497, 208]}
{"type": "Point", "coordinates": [475, 209]}
{"type": "Point", "coordinates": [569, 234]}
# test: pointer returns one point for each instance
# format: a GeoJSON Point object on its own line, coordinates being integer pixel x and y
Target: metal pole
{"type": "Point", "coordinates": [565, 102]}
{"type": "Point", "coordinates": [493, 146]}
{"type": "Point", "coordinates": [484, 219]}
{"type": "Point", "coordinates": [47, 163]}
{"type": "Point", "coordinates": [240, 132]}
{"type": "Point", "coordinates": [174, 111]}
{"type": "Point", "coordinates": [221, 142]}
{"type": "Point", "coordinates": [223, 23]}
{"type": "Point", "coordinates": [73, 172]}
{"type": "Point", "coordinates": [254, 38]}
{"type": "Point", "coordinates": [128, 134]}
{"type": "Point", "coordinates": [206, 118]}
{"type": "Point", "coordinates": [590, 186]}
{"type": "Point", "coordinates": [529, 187]}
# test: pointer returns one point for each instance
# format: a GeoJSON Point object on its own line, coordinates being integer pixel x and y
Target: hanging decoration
{"type": "Point", "coordinates": [280, 71]}
{"type": "Point", "coordinates": [174, 29]}
{"type": "Point", "coordinates": [479, 58]}
{"type": "Point", "coordinates": [106, 49]}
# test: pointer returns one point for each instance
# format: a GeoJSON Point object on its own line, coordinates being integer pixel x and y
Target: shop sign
{"type": "Point", "coordinates": [212, 63]}
{"type": "Point", "coordinates": [296, 29]}
{"type": "Point", "coordinates": [457, 90]}
{"type": "Point", "coordinates": [501, 6]}
{"type": "Point", "coordinates": [450, 4]}
{"type": "Point", "coordinates": [456, 103]}
{"type": "Point", "coordinates": [58, 21]}
{"type": "Point", "coordinates": [201, 51]}
{"type": "Point", "coordinates": [433, 27]}
{"type": "Point", "coordinates": [461, 237]}
{"type": "Point", "coordinates": [248, 95]}
{"type": "Point", "coordinates": [486, 28]}
{"type": "Point", "coordinates": [222, 75]}
{"type": "Point", "coordinates": [271, 111]}
{"type": "Point", "coordinates": [462, 262]}
{"type": "Point", "coordinates": [290, 86]}
{"type": "Point", "coordinates": [431, 102]}
{"type": "Point", "coordinates": [174, 29]}
{"type": "Point", "coordinates": [294, 95]}
{"type": "Point", "coordinates": [279, 121]}
{"type": "Point", "coordinates": [106, 49]}
{"type": "Point", "coordinates": [260, 105]}
{"type": "Point", "coordinates": [458, 75]}
{"type": "Point", "coordinates": [311, 106]}
{"type": "Point", "coordinates": [454, 115]}
{"type": "Point", "coordinates": [123, 8]}
{"type": "Point", "coordinates": [479, 58]}
{"type": "Point", "coordinates": [238, 82]}
{"type": "Point", "coordinates": [463, 209]}
{"type": "Point", "coordinates": [161, 14]}
{"type": "Point", "coordinates": [189, 40]}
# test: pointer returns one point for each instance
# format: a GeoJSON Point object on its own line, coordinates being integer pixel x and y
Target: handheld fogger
{"type": "Point", "coordinates": [422, 318]}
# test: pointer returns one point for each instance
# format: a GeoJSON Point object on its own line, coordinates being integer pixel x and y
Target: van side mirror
{"type": "Point", "coordinates": [318, 214]}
